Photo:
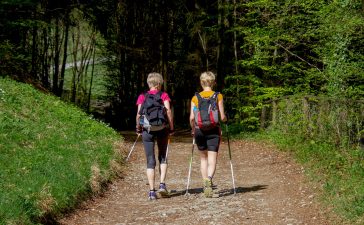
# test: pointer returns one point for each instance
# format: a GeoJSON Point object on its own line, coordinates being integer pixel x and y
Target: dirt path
{"type": "Point", "coordinates": [271, 189]}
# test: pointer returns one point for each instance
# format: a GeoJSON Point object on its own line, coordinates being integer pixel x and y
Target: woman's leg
{"type": "Point", "coordinates": [151, 178]}
{"type": "Point", "coordinates": [202, 147]}
{"type": "Point", "coordinates": [148, 142]}
{"type": "Point", "coordinates": [163, 171]}
{"type": "Point", "coordinates": [213, 144]}
{"type": "Point", "coordinates": [211, 160]}
{"type": "Point", "coordinates": [207, 182]}
{"type": "Point", "coordinates": [204, 164]}
{"type": "Point", "coordinates": [162, 141]}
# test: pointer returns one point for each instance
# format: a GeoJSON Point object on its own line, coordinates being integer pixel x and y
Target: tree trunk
{"type": "Point", "coordinates": [91, 80]}
{"type": "Point", "coordinates": [263, 117]}
{"type": "Point", "coordinates": [164, 43]}
{"type": "Point", "coordinates": [306, 114]}
{"type": "Point", "coordinates": [75, 41]}
{"type": "Point", "coordinates": [221, 48]}
{"type": "Point", "coordinates": [45, 59]}
{"type": "Point", "coordinates": [56, 58]}
{"type": "Point", "coordinates": [34, 51]}
{"type": "Point", "coordinates": [63, 69]}
{"type": "Point", "coordinates": [235, 44]}
{"type": "Point", "coordinates": [274, 112]}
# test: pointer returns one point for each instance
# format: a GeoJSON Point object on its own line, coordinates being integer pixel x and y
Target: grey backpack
{"type": "Point", "coordinates": [207, 113]}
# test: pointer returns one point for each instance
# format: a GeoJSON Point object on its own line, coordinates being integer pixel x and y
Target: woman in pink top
{"type": "Point", "coordinates": [152, 133]}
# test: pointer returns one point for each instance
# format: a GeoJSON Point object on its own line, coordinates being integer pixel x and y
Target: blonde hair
{"type": "Point", "coordinates": [154, 80]}
{"type": "Point", "coordinates": [207, 79]}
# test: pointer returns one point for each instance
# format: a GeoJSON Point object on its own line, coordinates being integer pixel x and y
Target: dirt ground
{"type": "Point", "coordinates": [271, 189]}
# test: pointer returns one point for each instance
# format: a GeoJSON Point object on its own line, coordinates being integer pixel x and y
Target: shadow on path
{"type": "Point", "coordinates": [226, 192]}
{"type": "Point", "coordinates": [222, 193]}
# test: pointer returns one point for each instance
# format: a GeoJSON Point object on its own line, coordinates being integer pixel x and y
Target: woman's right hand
{"type": "Point", "coordinates": [139, 129]}
{"type": "Point", "coordinates": [193, 132]}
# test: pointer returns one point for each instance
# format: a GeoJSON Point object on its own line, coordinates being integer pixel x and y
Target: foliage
{"type": "Point", "coordinates": [296, 46]}
{"type": "Point", "coordinates": [278, 48]}
{"type": "Point", "coordinates": [340, 172]}
{"type": "Point", "coordinates": [337, 121]}
{"type": "Point", "coordinates": [49, 151]}
{"type": "Point", "coordinates": [324, 134]}
{"type": "Point", "coordinates": [341, 48]}
{"type": "Point", "coordinates": [247, 109]}
{"type": "Point", "coordinates": [11, 61]}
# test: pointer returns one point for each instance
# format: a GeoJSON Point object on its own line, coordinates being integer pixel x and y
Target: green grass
{"type": "Point", "coordinates": [50, 156]}
{"type": "Point", "coordinates": [340, 172]}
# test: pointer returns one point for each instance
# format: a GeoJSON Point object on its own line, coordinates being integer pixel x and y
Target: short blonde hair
{"type": "Point", "coordinates": [154, 80]}
{"type": "Point", "coordinates": [207, 79]}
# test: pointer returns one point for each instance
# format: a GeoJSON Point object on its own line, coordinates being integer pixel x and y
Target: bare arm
{"type": "Point", "coordinates": [138, 127]}
{"type": "Point", "coordinates": [169, 114]}
{"type": "Point", "coordinates": [222, 111]}
{"type": "Point", "coordinates": [192, 117]}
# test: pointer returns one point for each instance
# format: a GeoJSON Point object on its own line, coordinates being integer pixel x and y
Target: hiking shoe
{"type": "Point", "coordinates": [152, 195]}
{"type": "Point", "coordinates": [207, 189]}
{"type": "Point", "coordinates": [163, 190]}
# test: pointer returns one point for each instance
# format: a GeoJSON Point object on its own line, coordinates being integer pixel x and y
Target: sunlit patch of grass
{"type": "Point", "coordinates": [49, 152]}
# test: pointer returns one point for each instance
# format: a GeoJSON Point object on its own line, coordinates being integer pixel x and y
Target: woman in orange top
{"type": "Point", "coordinates": [207, 140]}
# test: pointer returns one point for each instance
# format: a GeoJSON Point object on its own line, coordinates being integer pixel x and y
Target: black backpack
{"type": "Point", "coordinates": [207, 113]}
{"type": "Point", "coordinates": [153, 112]}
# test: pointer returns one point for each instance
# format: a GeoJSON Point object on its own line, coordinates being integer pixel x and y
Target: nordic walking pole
{"type": "Point", "coordinates": [189, 171]}
{"type": "Point", "coordinates": [169, 139]}
{"type": "Point", "coordinates": [231, 164]}
{"type": "Point", "coordinates": [132, 148]}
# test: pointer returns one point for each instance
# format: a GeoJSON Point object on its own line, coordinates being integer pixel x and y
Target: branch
{"type": "Point", "coordinates": [297, 56]}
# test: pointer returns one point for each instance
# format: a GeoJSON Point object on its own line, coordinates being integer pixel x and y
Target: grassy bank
{"type": "Point", "coordinates": [52, 155]}
{"type": "Point", "coordinates": [340, 172]}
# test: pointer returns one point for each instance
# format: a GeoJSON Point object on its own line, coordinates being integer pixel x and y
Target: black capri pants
{"type": "Point", "coordinates": [149, 139]}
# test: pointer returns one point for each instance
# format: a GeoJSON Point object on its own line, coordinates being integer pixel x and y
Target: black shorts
{"type": "Point", "coordinates": [208, 140]}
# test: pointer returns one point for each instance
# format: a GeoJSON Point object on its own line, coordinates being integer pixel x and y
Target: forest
{"type": "Point", "coordinates": [90, 52]}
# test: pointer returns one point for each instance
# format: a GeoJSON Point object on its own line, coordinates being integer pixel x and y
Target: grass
{"type": "Point", "coordinates": [52, 155]}
{"type": "Point", "coordinates": [339, 171]}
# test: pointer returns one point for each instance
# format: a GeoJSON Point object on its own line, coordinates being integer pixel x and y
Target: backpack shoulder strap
{"type": "Point", "coordinates": [215, 103]}
{"type": "Point", "coordinates": [146, 94]}
{"type": "Point", "coordinates": [199, 99]}
{"type": "Point", "coordinates": [214, 96]}
{"type": "Point", "coordinates": [142, 107]}
{"type": "Point", "coordinates": [159, 95]}
{"type": "Point", "coordinates": [198, 96]}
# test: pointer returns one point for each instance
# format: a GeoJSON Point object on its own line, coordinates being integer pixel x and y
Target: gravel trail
{"type": "Point", "coordinates": [271, 189]}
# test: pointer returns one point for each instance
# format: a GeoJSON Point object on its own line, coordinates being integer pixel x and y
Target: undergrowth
{"type": "Point", "coordinates": [339, 171]}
